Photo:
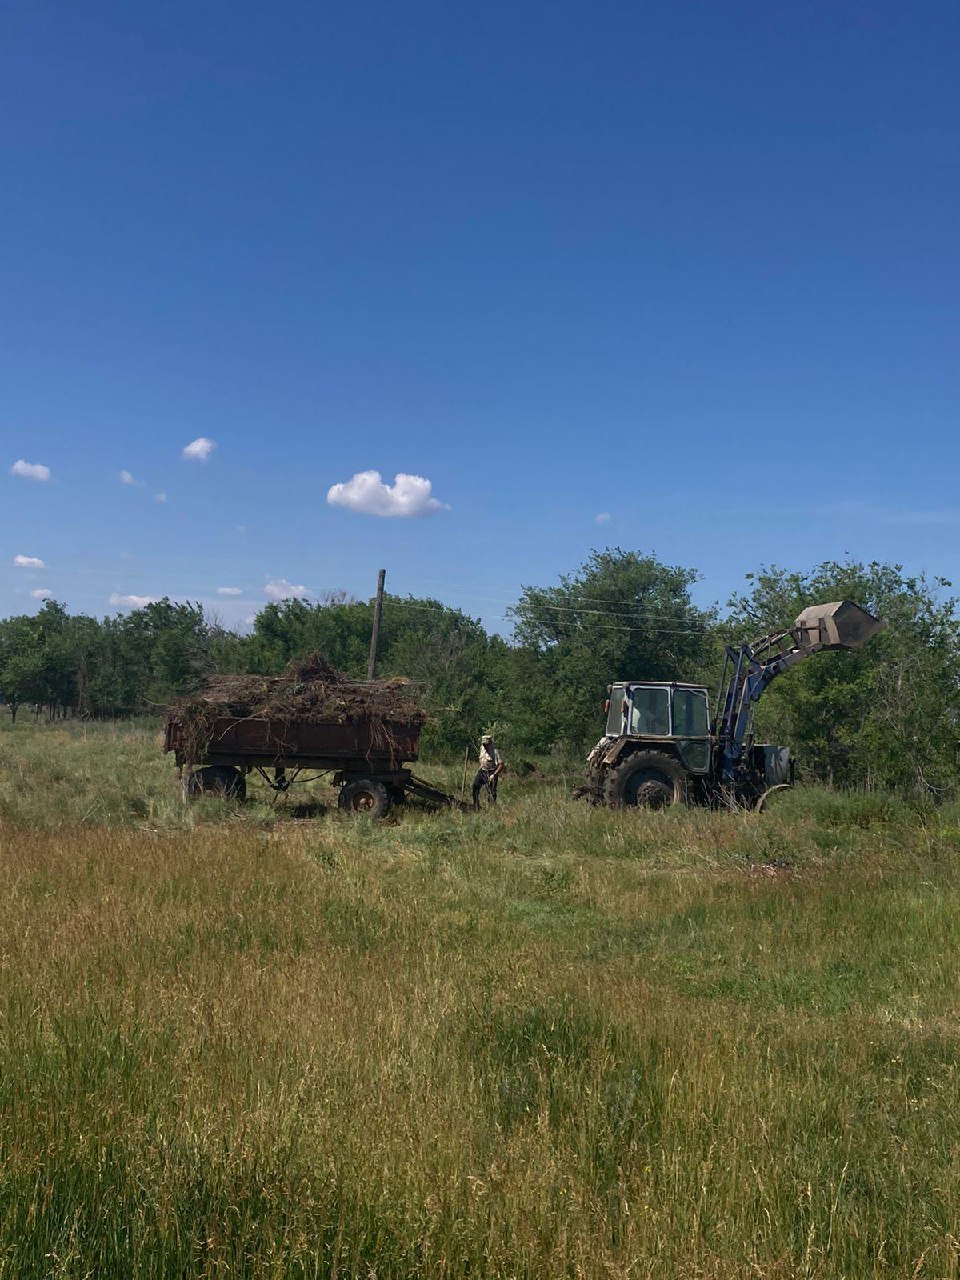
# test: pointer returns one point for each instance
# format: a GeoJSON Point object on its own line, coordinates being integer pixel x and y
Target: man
{"type": "Point", "coordinates": [491, 767]}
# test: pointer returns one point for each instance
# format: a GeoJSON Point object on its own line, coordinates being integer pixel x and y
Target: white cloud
{"type": "Point", "coordinates": [42, 593]}
{"type": "Point", "coordinates": [30, 470]}
{"type": "Point", "coordinates": [281, 589]}
{"type": "Point", "coordinates": [366, 492]}
{"type": "Point", "coordinates": [603, 517]}
{"type": "Point", "coordinates": [127, 478]}
{"type": "Point", "coordinates": [229, 591]}
{"type": "Point", "coordinates": [198, 450]}
{"type": "Point", "coordinates": [161, 497]}
{"type": "Point", "coordinates": [28, 562]}
{"type": "Point", "coordinates": [131, 602]}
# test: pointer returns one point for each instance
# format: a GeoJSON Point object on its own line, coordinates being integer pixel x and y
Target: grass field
{"type": "Point", "coordinates": [547, 1041]}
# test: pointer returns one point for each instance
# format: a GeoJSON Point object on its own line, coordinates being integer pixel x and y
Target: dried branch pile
{"type": "Point", "coordinates": [308, 689]}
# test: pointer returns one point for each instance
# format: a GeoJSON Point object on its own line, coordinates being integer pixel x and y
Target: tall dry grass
{"type": "Point", "coordinates": [549, 1041]}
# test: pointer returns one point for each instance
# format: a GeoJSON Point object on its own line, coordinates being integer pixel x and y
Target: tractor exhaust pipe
{"type": "Point", "coordinates": [840, 625]}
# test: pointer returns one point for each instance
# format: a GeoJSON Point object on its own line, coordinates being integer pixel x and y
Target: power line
{"type": "Point", "coordinates": [628, 612]}
{"type": "Point", "coordinates": [624, 609]}
{"type": "Point", "coordinates": [624, 613]}
{"type": "Point", "coordinates": [650, 631]}
{"type": "Point", "coordinates": [506, 617]}
{"type": "Point", "coordinates": [534, 591]}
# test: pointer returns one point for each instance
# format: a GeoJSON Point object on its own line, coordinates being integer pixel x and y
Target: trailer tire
{"type": "Point", "coordinates": [216, 780]}
{"type": "Point", "coordinates": [366, 796]}
{"type": "Point", "coordinates": [646, 780]}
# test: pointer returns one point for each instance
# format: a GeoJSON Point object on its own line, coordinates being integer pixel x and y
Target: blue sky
{"type": "Point", "coordinates": [689, 266]}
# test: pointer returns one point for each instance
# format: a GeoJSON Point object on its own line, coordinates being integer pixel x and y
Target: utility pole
{"type": "Point", "coordinates": [375, 638]}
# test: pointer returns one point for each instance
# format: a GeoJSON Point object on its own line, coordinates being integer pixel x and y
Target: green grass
{"type": "Point", "coordinates": [542, 1041]}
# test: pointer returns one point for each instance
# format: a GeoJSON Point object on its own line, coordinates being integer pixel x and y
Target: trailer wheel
{"type": "Point", "coordinates": [217, 780]}
{"type": "Point", "coordinates": [648, 780]}
{"type": "Point", "coordinates": [364, 796]}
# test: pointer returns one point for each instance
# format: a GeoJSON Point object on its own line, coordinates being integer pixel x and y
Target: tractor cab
{"type": "Point", "coordinates": [678, 715]}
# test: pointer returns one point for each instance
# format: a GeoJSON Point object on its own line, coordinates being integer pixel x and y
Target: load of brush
{"type": "Point", "coordinates": [309, 688]}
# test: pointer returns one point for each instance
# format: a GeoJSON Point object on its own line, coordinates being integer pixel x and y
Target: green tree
{"type": "Point", "coordinates": [21, 667]}
{"type": "Point", "coordinates": [155, 652]}
{"type": "Point", "coordinates": [36, 659]}
{"type": "Point", "coordinates": [336, 625]}
{"type": "Point", "coordinates": [882, 716]}
{"type": "Point", "coordinates": [622, 615]}
{"type": "Point", "coordinates": [445, 652]}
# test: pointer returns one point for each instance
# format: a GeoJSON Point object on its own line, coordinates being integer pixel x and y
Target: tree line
{"type": "Point", "coordinates": [885, 716]}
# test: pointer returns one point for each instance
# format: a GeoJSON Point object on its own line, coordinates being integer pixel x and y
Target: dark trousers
{"type": "Point", "coordinates": [488, 780]}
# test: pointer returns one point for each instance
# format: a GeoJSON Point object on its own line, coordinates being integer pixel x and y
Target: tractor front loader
{"type": "Point", "coordinates": [662, 747]}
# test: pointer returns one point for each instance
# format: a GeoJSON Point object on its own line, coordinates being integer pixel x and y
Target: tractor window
{"type": "Point", "coordinates": [650, 712]}
{"type": "Point", "coordinates": [615, 714]}
{"type": "Point", "coordinates": [690, 714]}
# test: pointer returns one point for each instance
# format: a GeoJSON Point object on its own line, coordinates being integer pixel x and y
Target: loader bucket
{"type": "Point", "coordinates": [840, 625]}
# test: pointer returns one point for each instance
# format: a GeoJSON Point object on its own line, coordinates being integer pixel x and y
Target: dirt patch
{"type": "Point", "coordinates": [776, 867]}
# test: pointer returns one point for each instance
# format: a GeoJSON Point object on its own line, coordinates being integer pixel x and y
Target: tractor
{"type": "Point", "coordinates": [662, 747]}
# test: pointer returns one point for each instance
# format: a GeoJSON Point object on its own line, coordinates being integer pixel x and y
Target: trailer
{"type": "Point", "coordinates": [365, 759]}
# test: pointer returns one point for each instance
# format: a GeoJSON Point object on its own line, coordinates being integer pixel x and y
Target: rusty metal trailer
{"type": "Point", "coordinates": [365, 759]}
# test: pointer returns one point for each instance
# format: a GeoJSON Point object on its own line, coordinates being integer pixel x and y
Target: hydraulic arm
{"type": "Point", "coordinates": [752, 667]}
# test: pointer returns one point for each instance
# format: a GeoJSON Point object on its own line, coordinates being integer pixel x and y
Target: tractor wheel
{"type": "Point", "coordinates": [364, 796]}
{"type": "Point", "coordinates": [217, 780]}
{"type": "Point", "coordinates": [648, 780]}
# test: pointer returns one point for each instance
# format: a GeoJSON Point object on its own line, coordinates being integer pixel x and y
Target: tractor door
{"type": "Point", "coordinates": [691, 728]}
